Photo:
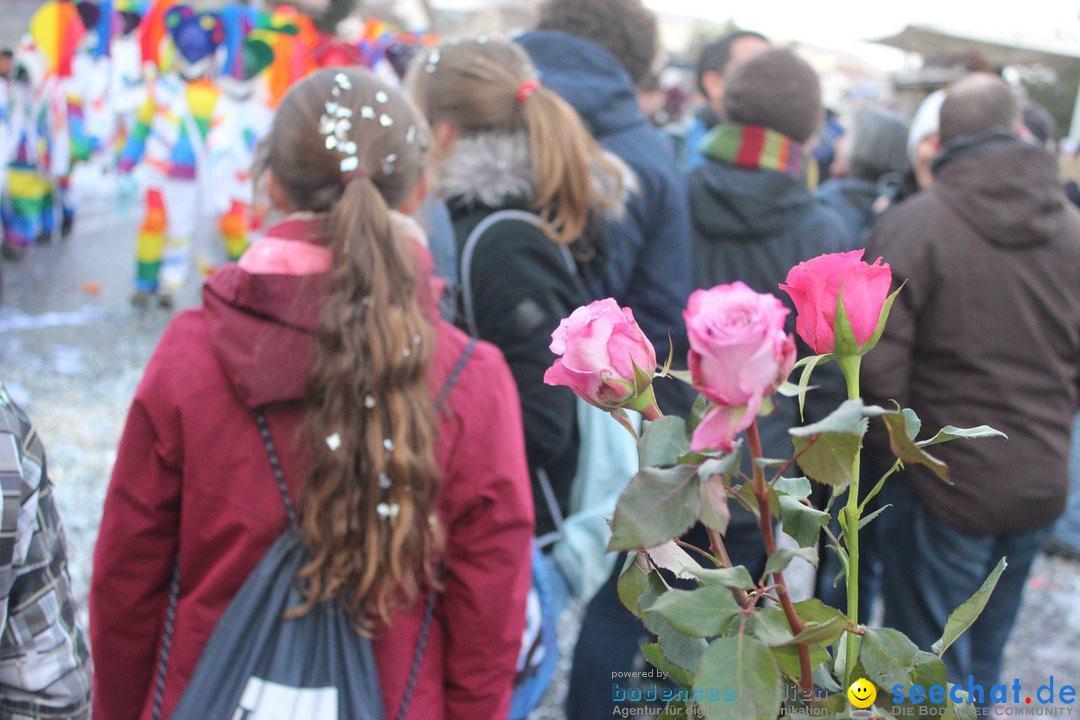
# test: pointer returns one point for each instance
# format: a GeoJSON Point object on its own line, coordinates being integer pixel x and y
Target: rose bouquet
{"type": "Point", "coordinates": [733, 640]}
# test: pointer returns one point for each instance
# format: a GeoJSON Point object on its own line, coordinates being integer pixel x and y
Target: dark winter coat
{"type": "Point", "coordinates": [754, 225]}
{"type": "Point", "coordinates": [852, 199]}
{"type": "Point", "coordinates": [986, 330]}
{"type": "Point", "coordinates": [192, 477]}
{"type": "Point", "coordinates": [522, 288]}
{"type": "Point", "coordinates": [649, 267]}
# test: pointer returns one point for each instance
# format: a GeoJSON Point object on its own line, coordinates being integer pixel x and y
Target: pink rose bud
{"type": "Point", "coordinates": [814, 286]}
{"type": "Point", "coordinates": [739, 354]}
{"type": "Point", "coordinates": [600, 345]}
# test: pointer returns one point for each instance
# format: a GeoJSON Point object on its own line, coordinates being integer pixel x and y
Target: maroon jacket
{"type": "Point", "coordinates": [192, 475]}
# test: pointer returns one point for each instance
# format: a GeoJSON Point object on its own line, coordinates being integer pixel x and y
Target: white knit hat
{"type": "Point", "coordinates": [927, 120]}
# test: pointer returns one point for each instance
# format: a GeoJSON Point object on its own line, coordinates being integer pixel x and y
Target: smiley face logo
{"type": "Point", "coordinates": [861, 693]}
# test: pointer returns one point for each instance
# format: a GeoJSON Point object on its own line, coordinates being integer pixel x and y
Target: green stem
{"type": "Point", "coordinates": [849, 364]}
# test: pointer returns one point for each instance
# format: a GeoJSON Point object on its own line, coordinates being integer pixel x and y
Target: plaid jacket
{"type": "Point", "coordinates": [44, 662]}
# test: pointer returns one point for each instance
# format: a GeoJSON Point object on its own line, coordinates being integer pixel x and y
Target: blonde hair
{"type": "Point", "coordinates": [373, 346]}
{"type": "Point", "coordinates": [477, 86]}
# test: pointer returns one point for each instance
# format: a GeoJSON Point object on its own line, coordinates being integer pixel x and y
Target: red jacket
{"type": "Point", "coordinates": [192, 475]}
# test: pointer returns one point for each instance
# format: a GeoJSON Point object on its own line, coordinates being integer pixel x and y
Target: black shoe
{"type": "Point", "coordinates": [1056, 548]}
{"type": "Point", "coordinates": [141, 299]}
{"type": "Point", "coordinates": [165, 300]}
{"type": "Point", "coordinates": [12, 252]}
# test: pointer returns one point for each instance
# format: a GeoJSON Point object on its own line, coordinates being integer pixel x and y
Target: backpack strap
{"type": "Point", "coordinates": [290, 511]}
{"type": "Point", "coordinates": [465, 278]}
{"type": "Point", "coordinates": [469, 249]}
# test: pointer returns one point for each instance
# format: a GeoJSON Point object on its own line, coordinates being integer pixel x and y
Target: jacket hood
{"type": "Point", "coordinates": [495, 169]}
{"type": "Point", "coordinates": [731, 203]}
{"type": "Point", "coordinates": [262, 325]}
{"type": "Point", "coordinates": [586, 76]}
{"type": "Point", "coordinates": [1004, 188]}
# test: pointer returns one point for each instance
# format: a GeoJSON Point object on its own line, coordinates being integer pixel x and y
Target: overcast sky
{"type": "Point", "coordinates": [850, 20]}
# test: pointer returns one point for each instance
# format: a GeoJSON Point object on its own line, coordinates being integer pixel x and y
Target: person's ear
{"type": "Point", "coordinates": [279, 198]}
{"type": "Point", "coordinates": [713, 83]}
{"type": "Point", "coordinates": [444, 134]}
{"type": "Point", "coordinates": [414, 200]}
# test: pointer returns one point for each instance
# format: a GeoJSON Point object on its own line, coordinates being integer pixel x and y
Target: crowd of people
{"type": "Point", "coordinates": [390, 231]}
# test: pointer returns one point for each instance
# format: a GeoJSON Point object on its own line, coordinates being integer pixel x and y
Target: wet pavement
{"type": "Point", "coordinates": [72, 350]}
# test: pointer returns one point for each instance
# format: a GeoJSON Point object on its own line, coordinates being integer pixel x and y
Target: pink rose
{"type": "Point", "coordinates": [739, 354]}
{"type": "Point", "coordinates": [814, 285]}
{"type": "Point", "coordinates": [600, 344]}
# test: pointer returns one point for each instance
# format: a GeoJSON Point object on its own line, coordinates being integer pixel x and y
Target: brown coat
{"type": "Point", "coordinates": [986, 331]}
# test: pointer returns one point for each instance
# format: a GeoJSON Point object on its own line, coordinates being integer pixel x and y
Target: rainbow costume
{"type": "Point", "coordinates": [171, 139]}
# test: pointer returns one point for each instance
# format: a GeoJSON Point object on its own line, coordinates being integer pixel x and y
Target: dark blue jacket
{"type": "Point", "coordinates": [649, 267]}
{"type": "Point", "coordinates": [853, 201]}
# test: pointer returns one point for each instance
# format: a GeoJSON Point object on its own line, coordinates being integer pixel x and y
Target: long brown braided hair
{"type": "Point", "coordinates": [345, 144]}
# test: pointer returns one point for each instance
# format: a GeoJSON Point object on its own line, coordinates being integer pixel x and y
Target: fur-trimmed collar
{"type": "Point", "coordinates": [491, 168]}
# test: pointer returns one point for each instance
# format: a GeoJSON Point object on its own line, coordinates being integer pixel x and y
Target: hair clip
{"type": "Point", "coordinates": [388, 164]}
{"type": "Point", "coordinates": [381, 97]}
{"type": "Point", "coordinates": [384, 481]}
{"type": "Point", "coordinates": [333, 442]}
{"type": "Point", "coordinates": [388, 444]}
{"type": "Point", "coordinates": [342, 81]}
{"type": "Point", "coordinates": [410, 135]}
{"type": "Point", "coordinates": [369, 401]}
{"type": "Point", "coordinates": [385, 120]}
{"type": "Point", "coordinates": [388, 511]}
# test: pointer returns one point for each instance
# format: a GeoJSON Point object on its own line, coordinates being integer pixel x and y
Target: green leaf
{"type": "Point", "coordinates": [787, 659]}
{"type": "Point", "coordinates": [656, 658]}
{"type": "Point", "coordinates": [823, 678]}
{"type": "Point", "coordinates": [882, 319]}
{"type": "Point", "coordinates": [702, 613]}
{"type": "Point", "coordinates": [801, 522]}
{"type": "Point", "coordinates": [714, 505]}
{"type": "Point", "coordinates": [743, 664]}
{"type": "Point", "coordinates": [866, 519]}
{"type": "Point", "coordinates": [726, 466]}
{"type": "Point", "coordinates": [698, 411]}
{"type": "Point", "coordinates": [846, 419]}
{"type": "Point", "coordinates": [813, 610]}
{"type": "Point", "coordinates": [821, 633]}
{"type": "Point", "coordinates": [798, 487]}
{"type": "Point", "coordinates": [965, 616]}
{"type": "Point", "coordinates": [737, 578]}
{"type": "Point", "coordinates": [804, 379]}
{"type": "Point", "coordinates": [828, 459]}
{"type": "Point", "coordinates": [657, 505]}
{"type": "Point", "coordinates": [783, 557]}
{"type": "Point", "coordinates": [670, 556]}
{"type": "Point", "coordinates": [906, 450]}
{"type": "Point", "coordinates": [949, 432]}
{"type": "Point", "coordinates": [827, 449]}
{"type": "Point", "coordinates": [642, 379]}
{"type": "Point", "coordinates": [770, 626]}
{"type": "Point", "coordinates": [788, 389]}
{"type": "Point", "coordinates": [912, 423]}
{"type": "Point", "coordinates": [845, 336]}
{"type": "Point", "coordinates": [637, 581]}
{"type": "Point", "coordinates": [888, 657]}
{"type": "Point", "coordinates": [663, 441]}
{"type": "Point", "coordinates": [677, 647]}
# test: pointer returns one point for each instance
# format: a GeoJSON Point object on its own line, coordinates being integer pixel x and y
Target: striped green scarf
{"type": "Point", "coordinates": [757, 148]}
